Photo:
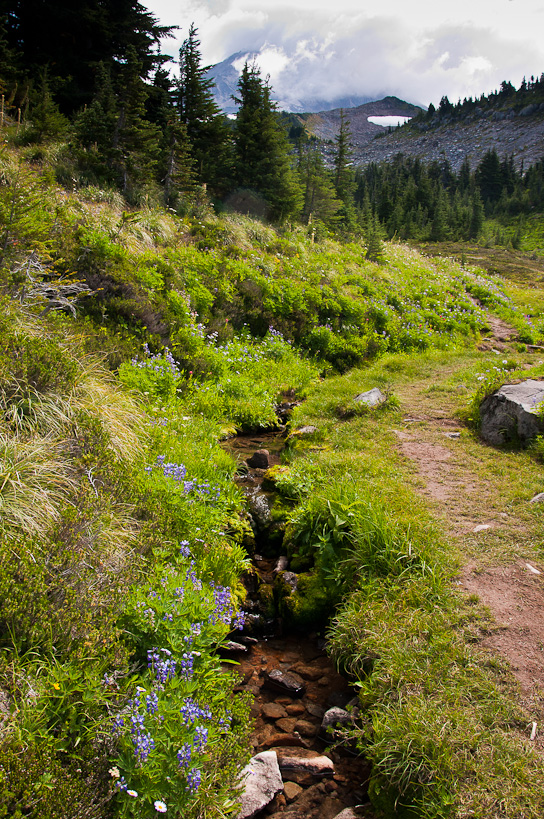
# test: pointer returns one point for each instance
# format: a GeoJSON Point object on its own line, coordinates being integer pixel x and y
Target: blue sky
{"type": "Point", "coordinates": [417, 51]}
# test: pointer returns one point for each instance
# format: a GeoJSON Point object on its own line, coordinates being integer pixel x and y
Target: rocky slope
{"type": "Point", "coordinates": [519, 134]}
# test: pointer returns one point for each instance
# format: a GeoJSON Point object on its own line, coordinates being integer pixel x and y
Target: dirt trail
{"type": "Point", "coordinates": [462, 478]}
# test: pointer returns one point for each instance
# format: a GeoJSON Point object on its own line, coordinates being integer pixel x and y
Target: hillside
{"type": "Point", "coordinates": [133, 343]}
{"type": "Point", "coordinates": [508, 121]}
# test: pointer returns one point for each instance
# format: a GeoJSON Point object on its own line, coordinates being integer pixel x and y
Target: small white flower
{"type": "Point", "coordinates": [114, 772]}
{"type": "Point", "coordinates": [132, 793]}
{"type": "Point", "coordinates": [159, 806]}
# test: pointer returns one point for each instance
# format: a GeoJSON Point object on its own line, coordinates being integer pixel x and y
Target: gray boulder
{"type": "Point", "coordinates": [260, 459]}
{"type": "Point", "coordinates": [262, 781]}
{"type": "Point", "coordinates": [510, 414]}
{"type": "Point", "coordinates": [372, 398]}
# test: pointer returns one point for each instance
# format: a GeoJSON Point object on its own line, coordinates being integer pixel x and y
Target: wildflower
{"type": "Point", "coordinates": [114, 772]}
{"type": "Point", "coordinates": [159, 806]}
{"type": "Point", "coordinates": [132, 793]}
{"type": "Point", "coordinates": [193, 779]}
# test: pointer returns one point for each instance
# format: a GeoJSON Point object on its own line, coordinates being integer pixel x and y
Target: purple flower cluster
{"type": "Point", "coordinates": [186, 664]}
{"type": "Point", "coordinates": [162, 364]}
{"type": "Point", "coordinates": [141, 739]}
{"type": "Point", "coordinates": [191, 711]}
{"type": "Point", "coordinates": [163, 667]}
{"type": "Point", "coordinates": [184, 549]}
{"type": "Point", "coordinates": [224, 609]}
{"type": "Point", "coordinates": [194, 778]}
{"type": "Point", "coordinates": [178, 472]}
{"type": "Point", "coordinates": [184, 755]}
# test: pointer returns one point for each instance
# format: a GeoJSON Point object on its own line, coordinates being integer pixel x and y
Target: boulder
{"type": "Point", "coordinates": [262, 781]}
{"type": "Point", "coordinates": [347, 813]}
{"type": "Point", "coordinates": [510, 414]}
{"type": "Point", "coordinates": [372, 398]}
{"type": "Point", "coordinates": [259, 460]}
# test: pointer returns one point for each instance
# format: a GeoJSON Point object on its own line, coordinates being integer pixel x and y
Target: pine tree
{"type": "Point", "coordinates": [136, 141]}
{"type": "Point", "coordinates": [207, 131]}
{"type": "Point", "coordinates": [344, 178]}
{"type": "Point", "coordinates": [262, 151]}
{"type": "Point", "coordinates": [320, 200]}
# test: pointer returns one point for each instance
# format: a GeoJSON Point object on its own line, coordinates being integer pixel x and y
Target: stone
{"type": "Point", "coordinates": [304, 770]}
{"type": "Point", "coordinates": [482, 527]}
{"type": "Point", "coordinates": [333, 718]}
{"type": "Point", "coordinates": [262, 781]}
{"type": "Point", "coordinates": [372, 398]}
{"type": "Point", "coordinates": [286, 682]}
{"type": "Point", "coordinates": [295, 709]}
{"type": "Point", "coordinates": [291, 790]}
{"type": "Point", "coordinates": [288, 580]}
{"type": "Point", "coordinates": [347, 813]}
{"type": "Point", "coordinates": [286, 724]}
{"type": "Point", "coordinates": [231, 647]}
{"type": "Point", "coordinates": [538, 498]}
{"type": "Point", "coordinates": [308, 672]}
{"type": "Point", "coordinates": [305, 728]}
{"type": "Point", "coordinates": [276, 740]}
{"type": "Point", "coordinates": [259, 460]}
{"type": "Point", "coordinates": [271, 710]}
{"type": "Point", "coordinates": [510, 414]}
{"type": "Point", "coordinates": [315, 710]}
{"type": "Point", "coordinates": [307, 430]}
{"type": "Point", "coordinates": [281, 564]}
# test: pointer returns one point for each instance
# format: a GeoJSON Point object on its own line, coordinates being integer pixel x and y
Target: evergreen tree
{"type": "Point", "coordinates": [344, 178]}
{"type": "Point", "coordinates": [206, 127]}
{"type": "Point", "coordinates": [262, 151]}
{"type": "Point", "coordinates": [136, 141]}
{"type": "Point", "coordinates": [73, 38]}
{"type": "Point", "coordinates": [46, 121]}
{"type": "Point", "coordinates": [320, 200]}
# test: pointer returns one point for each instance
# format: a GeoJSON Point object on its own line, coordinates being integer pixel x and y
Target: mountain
{"type": "Point", "coordinates": [225, 77]}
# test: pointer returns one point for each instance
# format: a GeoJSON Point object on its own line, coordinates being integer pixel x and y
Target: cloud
{"type": "Point", "coordinates": [317, 49]}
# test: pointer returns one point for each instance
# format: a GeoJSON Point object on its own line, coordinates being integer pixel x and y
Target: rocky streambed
{"type": "Point", "coordinates": [302, 767]}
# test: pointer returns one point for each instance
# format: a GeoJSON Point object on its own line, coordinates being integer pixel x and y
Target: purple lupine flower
{"type": "Point", "coordinates": [184, 755]}
{"type": "Point", "coordinates": [194, 778]}
{"type": "Point", "coordinates": [201, 738]}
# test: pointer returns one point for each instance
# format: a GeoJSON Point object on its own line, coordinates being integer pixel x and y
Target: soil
{"type": "Point", "coordinates": [514, 593]}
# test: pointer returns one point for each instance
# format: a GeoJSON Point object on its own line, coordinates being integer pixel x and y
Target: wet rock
{"type": "Point", "coordinates": [281, 564]}
{"type": "Point", "coordinates": [305, 728]}
{"type": "Point", "coordinates": [231, 647]}
{"type": "Point", "coordinates": [372, 398]}
{"type": "Point", "coordinates": [291, 790]}
{"type": "Point", "coordinates": [277, 740]}
{"type": "Point", "coordinates": [332, 719]}
{"type": "Point", "coordinates": [287, 580]}
{"type": "Point", "coordinates": [286, 682]}
{"type": "Point", "coordinates": [295, 709]}
{"type": "Point", "coordinates": [303, 767]}
{"type": "Point", "coordinates": [259, 460]}
{"type": "Point", "coordinates": [271, 710]}
{"type": "Point", "coordinates": [262, 781]}
{"type": "Point", "coordinates": [315, 710]}
{"type": "Point", "coordinates": [308, 672]}
{"type": "Point", "coordinates": [286, 724]}
{"type": "Point", "coordinates": [510, 413]}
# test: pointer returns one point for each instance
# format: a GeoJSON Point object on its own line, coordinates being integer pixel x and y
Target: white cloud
{"type": "Point", "coordinates": [416, 51]}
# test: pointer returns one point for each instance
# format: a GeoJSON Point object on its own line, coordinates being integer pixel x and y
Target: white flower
{"type": "Point", "coordinates": [159, 806]}
{"type": "Point", "coordinates": [114, 772]}
{"type": "Point", "coordinates": [132, 793]}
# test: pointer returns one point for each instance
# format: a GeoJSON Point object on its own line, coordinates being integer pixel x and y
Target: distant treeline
{"type": "Point", "coordinates": [428, 201]}
{"type": "Point", "coordinates": [504, 103]}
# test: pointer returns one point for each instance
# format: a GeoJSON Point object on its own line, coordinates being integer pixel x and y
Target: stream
{"type": "Point", "coordinates": [295, 687]}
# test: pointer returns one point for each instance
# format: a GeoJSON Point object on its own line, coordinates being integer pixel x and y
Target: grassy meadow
{"type": "Point", "coordinates": [132, 343]}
